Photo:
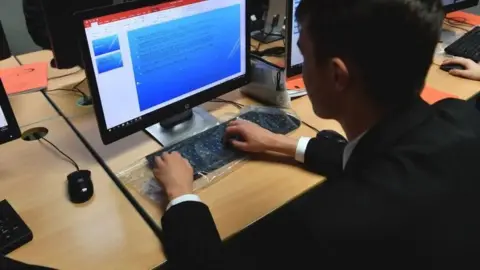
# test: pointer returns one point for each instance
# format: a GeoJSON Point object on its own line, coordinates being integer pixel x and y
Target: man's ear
{"type": "Point", "coordinates": [341, 74]}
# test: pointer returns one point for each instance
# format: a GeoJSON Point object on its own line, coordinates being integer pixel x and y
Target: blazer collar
{"type": "Point", "coordinates": [388, 131]}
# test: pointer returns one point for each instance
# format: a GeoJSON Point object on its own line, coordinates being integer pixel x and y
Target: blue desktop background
{"type": "Point", "coordinates": [106, 45]}
{"type": "Point", "coordinates": [177, 57]}
{"type": "Point", "coordinates": [109, 62]}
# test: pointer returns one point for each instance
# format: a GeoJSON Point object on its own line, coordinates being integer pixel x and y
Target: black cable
{"type": "Point", "coordinates": [73, 89]}
{"type": "Point", "coordinates": [310, 126]}
{"type": "Point", "coordinates": [18, 60]}
{"type": "Point", "coordinates": [279, 80]}
{"type": "Point", "coordinates": [221, 100]}
{"type": "Point", "coordinates": [61, 152]}
{"type": "Point", "coordinates": [66, 75]}
{"type": "Point", "coordinates": [140, 210]}
{"type": "Point", "coordinates": [76, 91]}
{"type": "Point", "coordinates": [459, 20]}
{"type": "Point", "coordinates": [457, 27]}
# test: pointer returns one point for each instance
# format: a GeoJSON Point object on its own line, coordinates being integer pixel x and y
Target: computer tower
{"type": "Point", "coordinates": [4, 48]}
{"type": "Point", "coordinates": [61, 29]}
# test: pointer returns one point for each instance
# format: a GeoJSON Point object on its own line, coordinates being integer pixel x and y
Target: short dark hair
{"type": "Point", "coordinates": [390, 42]}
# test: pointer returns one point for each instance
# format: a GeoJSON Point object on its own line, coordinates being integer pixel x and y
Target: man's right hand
{"type": "Point", "coordinates": [471, 71]}
{"type": "Point", "coordinates": [256, 139]}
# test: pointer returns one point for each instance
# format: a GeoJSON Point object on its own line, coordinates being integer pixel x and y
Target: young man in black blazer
{"type": "Point", "coordinates": [402, 192]}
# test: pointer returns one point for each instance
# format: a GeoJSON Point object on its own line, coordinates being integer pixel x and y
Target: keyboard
{"type": "Point", "coordinates": [468, 46]}
{"type": "Point", "coordinates": [208, 152]}
{"type": "Point", "coordinates": [14, 233]}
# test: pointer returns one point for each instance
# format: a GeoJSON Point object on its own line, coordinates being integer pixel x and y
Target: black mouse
{"type": "Point", "coordinates": [448, 67]}
{"type": "Point", "coordinates": [80, 186]}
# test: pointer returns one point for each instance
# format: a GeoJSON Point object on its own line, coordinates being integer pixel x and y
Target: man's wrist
{"type": "Point", "coordinates": [176, 194]}
{"type": "Point", "coordinates": [183, 199]}
{"type": "Point", "coordinates": [284, 145]}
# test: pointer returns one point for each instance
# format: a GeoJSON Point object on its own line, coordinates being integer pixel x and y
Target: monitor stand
{"type": "Point", "coordinates": [182, 126]}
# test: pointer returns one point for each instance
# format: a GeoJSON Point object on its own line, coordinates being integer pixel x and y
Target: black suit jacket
{"type": "Point", "coordinates": [408, 197]}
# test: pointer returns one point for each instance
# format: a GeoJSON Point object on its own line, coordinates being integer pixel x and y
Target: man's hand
{"type": "Point", "coordinates": [256, 139]}
{"type": "Point", "coordinates": [175, 174]}
{"type": "Point", "coordinates": [471, 71]}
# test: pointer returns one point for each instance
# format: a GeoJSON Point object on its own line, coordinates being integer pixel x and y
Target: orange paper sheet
{"type": "Point", "coordinates": [468, 17]}
{"type": "Point", "coordinates": [295, 83]}
{"type": "Point", "coordinates": [432, 95]}
{"type": "Point", "coordinates": [25, 78]}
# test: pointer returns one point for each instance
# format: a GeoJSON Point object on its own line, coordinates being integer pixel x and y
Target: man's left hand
{"type": "Point", "coordinates": [175, 174]}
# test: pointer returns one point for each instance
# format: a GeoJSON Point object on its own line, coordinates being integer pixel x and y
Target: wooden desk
{"type": "Point", "coordinates": [249, 193]}
{"type": "Point", "coordinates": [255, 189]}
{"type": "Point", "coordinates": [8, 63]}
{"type": "Point", "coordinates": [31, 108]}
{"type": "Point", "coordinates": [105, 233]}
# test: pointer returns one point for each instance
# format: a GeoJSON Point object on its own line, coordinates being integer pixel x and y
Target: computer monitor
{"type": "Point", "coordinates": [9, 129]}
{"type": "Point", "coordinates": [152, 61]}
{"type": "Point", "coordinates": [4, 48]}
{"type": "Point", "coordinates": [294, 57]}
{"type": "Point", "coordinates": [454, 5]}
{"type": "Point", "coordinates": [60, 24]}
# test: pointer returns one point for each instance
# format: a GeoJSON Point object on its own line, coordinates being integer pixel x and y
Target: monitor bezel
{"type": "Point", "coordinates": [154, 117]}
{"type": "Point", "coordinates": [12, 132]}
{"type": "Point", "coordinates": [291, 71]}
{"type": "Point", "coordinates": [460, 6]}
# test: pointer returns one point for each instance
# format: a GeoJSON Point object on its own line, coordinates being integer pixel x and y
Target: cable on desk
{"type": "Point", "coordinates": [459, 20]}
{"type": "Point", "coordinates": [73, 89]}
{"type": "Point", "coordinates": [76, 91]}
{"type": "Point", "coordinates": [146, 217]}
{"type": "Point", "coordinates": [455, 26]}
{"type": "Point", "coordinates": [221, 100]}
{"type": "Point", "coordinates": [66, 75]}
{"type": "Point", "coordinates": [16, 59]}
{"type": "Point", "coordinates": [70, 160]}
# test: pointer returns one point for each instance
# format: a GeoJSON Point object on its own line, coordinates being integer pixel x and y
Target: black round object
{"type": "Point", "coordinates": [34, 134]}
{"type": "Point", "coordinates": [80, 186]}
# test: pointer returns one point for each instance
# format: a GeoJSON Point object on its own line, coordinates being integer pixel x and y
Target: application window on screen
{"type": "Point", "coordinates": [3, 120]}
{"type": "Point", "coordinates": [296, 56]}
{"type": "Point", "coordinates": [148, 58]}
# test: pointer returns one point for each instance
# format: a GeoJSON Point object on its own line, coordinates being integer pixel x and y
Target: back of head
{"type": "Point", "coordinates": [390, 43]}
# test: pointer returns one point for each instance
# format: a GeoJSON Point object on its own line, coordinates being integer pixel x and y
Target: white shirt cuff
{"type": "Point", "coordinates": [184, 198]}
{"type": "Point", "coordinates": [301, 149]}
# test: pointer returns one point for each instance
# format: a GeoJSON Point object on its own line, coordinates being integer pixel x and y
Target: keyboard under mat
{"type": "Point", "coordinates": [207, 151]}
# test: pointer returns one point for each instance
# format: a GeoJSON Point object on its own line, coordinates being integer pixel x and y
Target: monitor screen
{"type": "Point", "coordinates": [454, 5]}
{"type": "Point", "coordinates": [449, 2]}
{"type": "Point", "coordinates": [3, 120]}
{"type": "Point", "coordinates": [9, 129]}
{"type": "Point", "coordinates": [148, 58]}
{"type": "Point", "coordinates": [296, 55]}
